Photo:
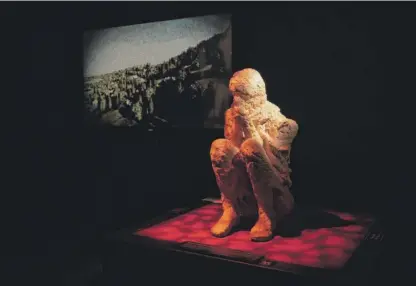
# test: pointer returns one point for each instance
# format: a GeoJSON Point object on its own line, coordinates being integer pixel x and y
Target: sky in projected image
{"type": "Point", "coordinates": [118, 48]}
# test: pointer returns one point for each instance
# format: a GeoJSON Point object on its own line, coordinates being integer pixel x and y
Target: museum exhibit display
{"type": "Point", "coordinates": [182, 73]}
{"type": "Point", "coordinates": [251, 164]}
{"type": "Point", "coordinates": [168, 73]}
{"type": "Point", "coordinates": [255, 221]}
{"type": "Point", "coordinates": [212, 143]}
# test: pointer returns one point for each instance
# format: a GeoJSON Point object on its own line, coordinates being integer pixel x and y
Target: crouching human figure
{"type": "Point", "coordinates": [251, 163]}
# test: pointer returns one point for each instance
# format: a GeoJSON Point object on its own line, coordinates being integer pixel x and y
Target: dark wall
{"type": "Point", "coordinates": [339, 69]}
{"type": "Point", "coordinates": [326, 66]}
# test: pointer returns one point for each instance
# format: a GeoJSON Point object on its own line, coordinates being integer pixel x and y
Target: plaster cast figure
{"type": "Point", "coordinates": [251, 163]}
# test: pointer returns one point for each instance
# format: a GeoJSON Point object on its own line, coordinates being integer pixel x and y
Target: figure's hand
{"type": "Point", "coordinates": [241, 110]}
{"type": "Point", "coordinates": [248, 128]}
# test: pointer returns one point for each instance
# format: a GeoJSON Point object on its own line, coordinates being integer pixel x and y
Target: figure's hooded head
{"type": "Point", "coordinates": [247, 85]}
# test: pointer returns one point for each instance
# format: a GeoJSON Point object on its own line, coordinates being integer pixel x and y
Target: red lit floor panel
{"type": "Point", "coordinates": [326, 243]}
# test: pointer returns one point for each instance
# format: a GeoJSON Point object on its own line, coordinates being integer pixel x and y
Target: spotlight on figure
{"type": "Point", "coordinates": [251, 163]}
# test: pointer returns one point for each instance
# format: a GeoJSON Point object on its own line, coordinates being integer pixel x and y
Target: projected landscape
{"type": "Point", "coordinates": [172, 73]}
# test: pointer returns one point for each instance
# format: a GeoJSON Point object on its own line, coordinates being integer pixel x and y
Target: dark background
{"type": "Point", "coordinates": [342, 70]}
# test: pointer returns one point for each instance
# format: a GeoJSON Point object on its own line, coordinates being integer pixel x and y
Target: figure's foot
{"type": "Point", "coordinates": [226, 223]}
{"type": "Point", "coordinates": [263, 230]}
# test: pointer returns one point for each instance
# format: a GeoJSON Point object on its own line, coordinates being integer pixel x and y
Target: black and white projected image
{"type": "Point", "coordinates": [171, 73]}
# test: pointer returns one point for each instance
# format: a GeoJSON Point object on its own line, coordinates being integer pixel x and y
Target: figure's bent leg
{"type": "Point", "coordinates": [233, 183]}
{"type": "Point", "coordinates": [270, 192]}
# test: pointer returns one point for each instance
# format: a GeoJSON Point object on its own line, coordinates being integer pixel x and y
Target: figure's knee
{"type": "Point", "coordinates": [251, 147]}
{"type": "Point", "coordinates": [222, 150]}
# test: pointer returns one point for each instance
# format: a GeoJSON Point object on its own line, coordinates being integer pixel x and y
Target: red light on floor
{"type": "Point", "coordinates": [319, 248]}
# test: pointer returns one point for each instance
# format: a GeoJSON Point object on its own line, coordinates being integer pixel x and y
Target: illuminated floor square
{"type": "Point", "coordinates": [326, 244]}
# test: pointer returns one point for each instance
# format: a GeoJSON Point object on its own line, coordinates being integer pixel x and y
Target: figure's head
{"type": "Point", "coordinates": [247, 84]}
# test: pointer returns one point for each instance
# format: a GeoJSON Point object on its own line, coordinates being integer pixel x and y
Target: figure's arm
{"type": "Point", "coordinates": [286, 132]}
{"type": "Point", "coordinates": [232, 129]}
{"type": "Point", "coordinates": [228, 125]}
{"type": "Point", "coordinates": [280, 143]}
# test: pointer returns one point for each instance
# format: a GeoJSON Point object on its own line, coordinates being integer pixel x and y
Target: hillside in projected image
{"type": "Point", "coordinates": [171, 73]}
